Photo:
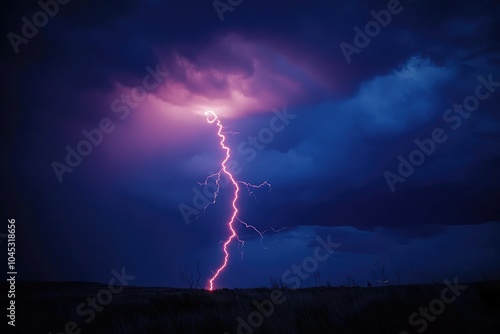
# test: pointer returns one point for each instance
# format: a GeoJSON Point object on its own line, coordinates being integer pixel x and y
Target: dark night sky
{"type": "Point", "coordinates": [120, 206]}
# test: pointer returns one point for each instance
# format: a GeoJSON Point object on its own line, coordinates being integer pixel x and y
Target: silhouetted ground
{"type": "Point", "coordinates": [49, 307]}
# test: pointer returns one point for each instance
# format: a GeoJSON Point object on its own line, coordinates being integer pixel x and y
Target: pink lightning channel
{"type": "Point", "coordinates": [211, 118]}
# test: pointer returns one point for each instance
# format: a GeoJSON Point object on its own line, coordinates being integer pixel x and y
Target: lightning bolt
{"type": "Point", "coordinates": [211, 119]}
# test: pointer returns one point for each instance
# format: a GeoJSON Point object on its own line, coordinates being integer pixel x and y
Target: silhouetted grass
{"type": "Point", "coordinates": [47, 307]}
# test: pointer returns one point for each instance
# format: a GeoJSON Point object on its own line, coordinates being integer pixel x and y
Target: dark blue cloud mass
{"type": "Point", "coordinates": [325, 132]}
